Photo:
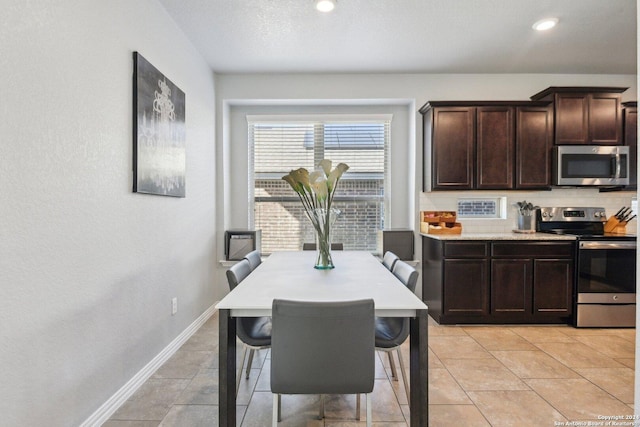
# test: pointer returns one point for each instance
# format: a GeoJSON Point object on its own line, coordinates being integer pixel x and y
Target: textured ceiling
{"type": "Point", "coordinates": [405, 36]}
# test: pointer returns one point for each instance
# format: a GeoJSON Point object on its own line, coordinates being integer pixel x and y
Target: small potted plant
{"type": "Point", "coordinates": [526, 216]}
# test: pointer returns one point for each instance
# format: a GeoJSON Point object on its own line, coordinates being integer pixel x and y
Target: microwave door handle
{"type": "Point", "coordinates": [618, 165]}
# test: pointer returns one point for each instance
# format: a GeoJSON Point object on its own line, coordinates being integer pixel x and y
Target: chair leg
{"type": "Point", "coordinates": [358, 406]}
{"type": "Point", "coordinates": [239, 376]}
{"type": "Point", "coordinates": [321, 414]}
{"type": "Point", "coordinates": [404, 374]}
{"type": "Point", "coordinates": [394, 373]}
{"type": "Point", "coordinates": [251, 353]}
{"type": "Point", "coordinates": [276, 411]}
{"type": "Point", "coordinates": [369, 409]}
{"type": "Point", "coordinates": [279, 407]}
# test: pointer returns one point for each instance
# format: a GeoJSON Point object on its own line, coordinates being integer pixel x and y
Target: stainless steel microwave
{"type": "Point", "coordinates": [593, 165]}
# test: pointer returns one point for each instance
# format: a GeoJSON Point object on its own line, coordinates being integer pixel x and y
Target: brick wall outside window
{"type": "Point", "coordinates": [285, 225]}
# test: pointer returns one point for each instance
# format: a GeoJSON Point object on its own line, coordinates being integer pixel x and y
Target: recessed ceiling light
{"type": "Point", "coordinates": [325, 5]}
{"type": "Point", "coordinates": [545, 24]}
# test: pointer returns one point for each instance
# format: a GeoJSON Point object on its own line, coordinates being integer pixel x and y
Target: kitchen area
{"type": "Point", "coordinates": [571, 153]}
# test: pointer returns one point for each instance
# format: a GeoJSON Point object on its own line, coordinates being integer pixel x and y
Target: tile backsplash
{"type": "Point", "coordinates": [576, 197]}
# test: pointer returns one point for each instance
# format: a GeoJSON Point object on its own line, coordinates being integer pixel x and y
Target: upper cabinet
{"type": "Point", "coordinates": [585, 115]}
{"type": "Point", "coordinates": [487, 145]}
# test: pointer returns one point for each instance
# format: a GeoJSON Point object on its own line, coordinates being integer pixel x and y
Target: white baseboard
{"type": "Point", "coordinates": [107, 409]}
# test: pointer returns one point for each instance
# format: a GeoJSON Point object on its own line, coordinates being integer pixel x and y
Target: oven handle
{"type": "Point", "coordinates": [618, 165]}
{"type": "Point", "coordinates": [608, 245]}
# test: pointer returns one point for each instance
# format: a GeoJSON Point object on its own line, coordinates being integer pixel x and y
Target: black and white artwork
{"type": "Point", "coordinates": [159, 152]}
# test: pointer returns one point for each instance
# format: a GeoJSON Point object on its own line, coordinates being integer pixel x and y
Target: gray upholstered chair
{"type": "Point", "coordinates": [391, 332]}
{"type": "Point", "coordinates": [312, 246]}
{"type": "Point", "coordinates": [254, 259]}
{"type": "Point", "coordinates": [389, 259]}
{"type": "Point", "coordinates": [322, 348]}
{"type": "Point", "coordinates": [254, 332]}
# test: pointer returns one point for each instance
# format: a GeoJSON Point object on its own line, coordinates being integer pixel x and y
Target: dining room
{"type": "Point", "coordinates": [111, 289]}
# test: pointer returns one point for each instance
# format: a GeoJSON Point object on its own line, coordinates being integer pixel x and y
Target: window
{"type": "Point", "coordinates": [280, 144]}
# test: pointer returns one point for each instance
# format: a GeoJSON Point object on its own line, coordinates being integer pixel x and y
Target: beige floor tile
{"type": "Point", "coordinates": [629, 363]}
{"type": "Point", "coordinates": [152, 401]}
{"type": "Point", "coordinates": [578, 399]}
{"type": "Point", "coordinates": [184, 364]}
{"type": "Point", "coordinates": [445, 330]}
{"type": "Point", "coordinates": [617, 381]}
{"type": "Point", "coordinates": [515, 408]}
{"type": "Point", "coordinates": [483, 374]}
{"type": "Point", "coordinates": [578, 355]}
{"type": "Point", "coordinates": [444, 390]}
{"type": "Point", "coordinates": [581, 332]}
{"type": "Point", "coordinates": [610, 345]}
{"type": "Point", "coordinates": [539, 334]}
{"type": "Point", "coordinates": [533, 364]}
{"type": "Point", "coordinates": [297, 410]}
{"type": "Point", "coordinates": [191, 415]}
{"type": "Point", "coordinates": [462, 347]}
{"type": "Point", "coordinates": [202, 341]}
{"type": "Point", "coordinates": [498, 338]}
{"type": "Point", "coordinates": [385, 404]}
{"type": "Point", "coordinates": [628, 334]}
{"type": "Point", "coordinates": [456, 415]}
{"type": "Point", "coordinates": [434, 361]}
{"type": "Point", "coordinates": [202, 390]}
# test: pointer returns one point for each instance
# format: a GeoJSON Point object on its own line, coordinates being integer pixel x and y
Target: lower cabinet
{"type": "Point", "coordinates": [498, 281]}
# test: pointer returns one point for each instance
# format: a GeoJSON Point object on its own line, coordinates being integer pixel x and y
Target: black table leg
{"type": "Point", "coordinates": [419, 370]}
{"type": "Point", "coordinates": [227, 364]}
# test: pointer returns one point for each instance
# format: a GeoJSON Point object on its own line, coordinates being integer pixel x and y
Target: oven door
{"type": "Point", "coordinates": [606, 284]}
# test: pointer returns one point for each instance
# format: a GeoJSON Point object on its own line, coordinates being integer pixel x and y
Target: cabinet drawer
{"type": "Point", "coordinates": [465, 249]}
{"type": "Point", "coordinates": [538, 249]}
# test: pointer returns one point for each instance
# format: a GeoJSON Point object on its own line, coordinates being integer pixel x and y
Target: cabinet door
{"type": "Point", "coordinates": [452, 148]}
{"type": "Point", "coordinates": [466, 287]}
{"type": "Point", "coordinates": [572, 118]}
{"type": "Point", "coordinates": [534, 141]}
{"type": "Point", "coordinates": [511, 286]}
{"type": "Point", "coordinates": [631, 139]}
{"type": "Point", "coordinates": [495, 145]}
{"type": "Point", "coordinates": [605, 119]}
{"type": "Point", "coordinates": [552, 286]}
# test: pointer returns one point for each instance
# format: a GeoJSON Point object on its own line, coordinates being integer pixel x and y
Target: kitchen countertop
{"type": "Point", "coordinates": [499, 236]}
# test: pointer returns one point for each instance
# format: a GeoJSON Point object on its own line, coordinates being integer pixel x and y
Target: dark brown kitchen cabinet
{"type": "Point", "coordinates": [455, 281]}
{"type": "Point", "coordinates": [505, 281]}
{"type": "Point", "coordinates": [495, 147]}
{"type": "Point", "coordinates": [534, 142]}
{"type": "Point", "coordinates": [489, 145]}
{"type": "Point", "coordinates": [630, 122]}
{"type": "Point", "coordinates": [453, 140]}
{"type": "Point", "coordinates": [585, 115]}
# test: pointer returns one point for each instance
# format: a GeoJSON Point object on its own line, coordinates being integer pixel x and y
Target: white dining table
{"type": "Point", "coordinates": [291, 275]}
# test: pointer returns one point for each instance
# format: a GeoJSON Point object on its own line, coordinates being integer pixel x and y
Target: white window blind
{"type": "Point", "coordinates": [280, 144]}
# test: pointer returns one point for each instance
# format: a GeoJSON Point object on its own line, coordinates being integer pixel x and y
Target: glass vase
{"type": "Point", "coordinates": [323, 221]}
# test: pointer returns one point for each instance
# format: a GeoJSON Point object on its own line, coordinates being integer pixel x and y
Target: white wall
{"type": "Point", "coordinates": [87, 268]}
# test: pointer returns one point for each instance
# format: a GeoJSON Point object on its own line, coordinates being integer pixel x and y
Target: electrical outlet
{"type": "Point", "coordinates": [174, 306]}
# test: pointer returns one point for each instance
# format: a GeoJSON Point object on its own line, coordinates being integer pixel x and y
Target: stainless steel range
{"type": "Point", "coordinates": [605, 288]}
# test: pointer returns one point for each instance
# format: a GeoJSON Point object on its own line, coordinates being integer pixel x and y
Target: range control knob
{"type": "Point", "coordinates": [544, 214]}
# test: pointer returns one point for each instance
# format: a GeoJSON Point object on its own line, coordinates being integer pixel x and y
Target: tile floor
{"type": "Point", "coordinates": [479, 376]}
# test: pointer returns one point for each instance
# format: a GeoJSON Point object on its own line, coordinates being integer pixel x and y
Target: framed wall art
{"type": "Point", "coordinates": [159, 152]}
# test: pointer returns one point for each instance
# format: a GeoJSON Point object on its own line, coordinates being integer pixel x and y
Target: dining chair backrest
{"type": "Point", "coordinates": [389, 259]}
{"type": "Point", "coordinates": [322, 347]}
{"type": "Point", "coordinates": [237, 273]}
{"type": "Point", "coordinates": [254, 259]}
{"type": "Point", "coordinates": [406, 274]}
